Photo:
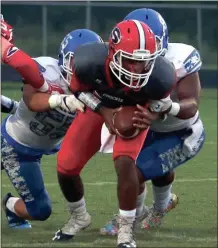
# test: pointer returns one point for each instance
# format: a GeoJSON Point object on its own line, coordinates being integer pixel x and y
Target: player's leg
{"type": "Point", "coordinates": [81, 142]}
{"type": "Point", "coordinates": [158, 161]}
{"type": "Point", "coordinates": [111, 227]}
{"type": "Point", "coordinates": [125, 153]}
{"type": "Point", "coordinates": [164, 200]}
{"type": "Point", "coordinates": [25, 174]}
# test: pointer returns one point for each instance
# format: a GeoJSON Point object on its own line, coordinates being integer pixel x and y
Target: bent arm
{"type": "Point", "coordinates": [35, 101]}
{"type": "Point", "coordinates": [188, 91]}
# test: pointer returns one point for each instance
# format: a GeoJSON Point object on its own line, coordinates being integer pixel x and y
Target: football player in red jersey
{"type": "Point", "coordinates": [174, 141]}
{"type": "Point", "coordinates": [126, 72]}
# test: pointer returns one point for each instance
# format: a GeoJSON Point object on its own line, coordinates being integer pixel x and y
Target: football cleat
{"type": "Point", "coordinates": [154, 218]}
{"type": "Point", "coordinates": [111, 227]}
{"type": "Point", "coordinates": [76, 223]}
{"type": "Point", "coordinates": [14, 221]}
{"type": "Point", "coordinates": [125, 235]}
{"type": "Point", "coordinates": [127, 245]}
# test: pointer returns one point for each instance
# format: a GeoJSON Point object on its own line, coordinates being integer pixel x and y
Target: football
{"type": "Point", "coordinates": [123, 124]}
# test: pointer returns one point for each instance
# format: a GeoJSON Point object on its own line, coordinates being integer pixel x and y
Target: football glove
{"type": "Point", "coordinates": [159, 106]}
{"type": "Point", "coordinates": [68, 103]}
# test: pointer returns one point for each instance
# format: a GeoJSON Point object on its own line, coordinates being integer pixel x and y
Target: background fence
{"type": "Point", "coordinates": [40, 26]}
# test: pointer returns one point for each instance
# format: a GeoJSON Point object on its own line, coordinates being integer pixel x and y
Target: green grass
{"type": "Point", "coordinates": [192, 224]}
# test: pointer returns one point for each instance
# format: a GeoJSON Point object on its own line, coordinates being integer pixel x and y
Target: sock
{"type": "Point", "coordinates": [79, 206]}
{"type": "Point", "coordinates": [162, 196]}
{"type": "Point", "coordinates": [140, 202]}
{"type": "Point", "coordinates": [130, 213]}
{"type": "Point", "coordinates": [11, 203]}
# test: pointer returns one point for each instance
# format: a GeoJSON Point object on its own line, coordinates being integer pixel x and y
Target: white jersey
{"type": "Point", "coordinates": [186, 60]}
{"type": "Point", "coordinates": [41, 130]}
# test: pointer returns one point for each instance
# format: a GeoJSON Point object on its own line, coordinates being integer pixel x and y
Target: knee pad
{"type": "Point", "coordinates": [40, 207]}
{"type": "Point", "coordinates": [164, 180]}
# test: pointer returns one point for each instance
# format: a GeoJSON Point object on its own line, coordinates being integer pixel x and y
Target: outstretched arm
{"type": "Point", "coordinates": [23, 64]}
{"type": "Point", "coordinates": [39, 102]}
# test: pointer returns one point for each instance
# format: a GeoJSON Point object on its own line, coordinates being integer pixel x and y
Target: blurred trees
{"type": "Point", "coordinates": [27, 23]}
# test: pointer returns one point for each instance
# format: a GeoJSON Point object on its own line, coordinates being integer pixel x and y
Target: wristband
{"type": "Point", "coordinates": [175, 108]}
{"type": "Point", "coordinates": [90, 100]}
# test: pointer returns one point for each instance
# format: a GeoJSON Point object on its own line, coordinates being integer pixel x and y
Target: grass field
{"type": "Point", "coordinates": [192, 224]}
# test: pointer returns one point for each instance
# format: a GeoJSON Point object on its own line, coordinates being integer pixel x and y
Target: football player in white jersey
{"type": "Point", "coordinates": [172, 140]}
{"type": "Point", "coordinates": [37, 128]}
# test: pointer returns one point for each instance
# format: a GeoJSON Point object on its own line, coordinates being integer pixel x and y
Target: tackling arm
{"type": "Point", "coordinates": [188, 90]}
{"type": "Point", "coordinates": [35, 101]}
{"type": "Point", "coordinates": [40, 102]}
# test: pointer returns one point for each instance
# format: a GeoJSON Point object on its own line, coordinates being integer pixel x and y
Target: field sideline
{"type": "Point", "coordinates": [192, 224]}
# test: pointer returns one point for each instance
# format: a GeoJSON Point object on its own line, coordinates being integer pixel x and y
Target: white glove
{"type": "Point", "coordinates": [68, 103]}
{"type": "Point", "coordinates": [162, 105]}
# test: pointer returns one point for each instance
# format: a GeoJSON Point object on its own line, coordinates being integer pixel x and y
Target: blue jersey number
{"type": "Point", "coordinates": [44, 124]}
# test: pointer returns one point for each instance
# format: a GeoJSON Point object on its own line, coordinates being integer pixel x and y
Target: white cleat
{"type": "Point", "coordinates": [125, 235]}
{"type": "Point", "coordinates": [76, 223]}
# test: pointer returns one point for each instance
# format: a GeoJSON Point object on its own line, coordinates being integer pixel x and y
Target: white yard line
{"type": "Point", "coordinates": [110, 241]}
{"type": "Point", "coordinates": [113, 183]}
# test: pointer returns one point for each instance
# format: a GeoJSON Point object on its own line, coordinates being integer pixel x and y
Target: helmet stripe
{"type": "Point", "coordinates": [141, 34]}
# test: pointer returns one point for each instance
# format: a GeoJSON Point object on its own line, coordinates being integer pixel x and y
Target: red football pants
{"type": "Point", "coordinates": [83, 140]}
{"type": "Point", "coordinates": [131, 147]}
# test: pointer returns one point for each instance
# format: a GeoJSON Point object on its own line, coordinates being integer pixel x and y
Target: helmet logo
{"type": "Point", "coordinates": [116, 35]}
{"type": "Point", "coordinates": [163, 23]}
{"type": "Point", "coordinates": [65, 41]}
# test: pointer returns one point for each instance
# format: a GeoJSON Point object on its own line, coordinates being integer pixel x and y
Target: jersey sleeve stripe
{"type": "Point", "coordinates": [196, 68]}
{"type": "Point", "coordinates": [192, 62]}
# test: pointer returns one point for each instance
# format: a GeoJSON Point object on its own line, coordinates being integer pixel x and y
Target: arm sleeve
{"type": "Point", "coordinates": [24, 65]}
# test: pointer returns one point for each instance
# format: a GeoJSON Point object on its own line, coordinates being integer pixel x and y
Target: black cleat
{"type": "Point", "coordinates": [60, 236]}
{"type": "Point", "coordinates": [127, 245]}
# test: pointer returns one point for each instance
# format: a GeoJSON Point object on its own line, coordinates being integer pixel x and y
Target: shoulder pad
{"type": "Point", "coordinates": [89, 62]}
{"type": "Point", "coordinates": [162, 79]}
{"type": "Point", "coordinates": [49, 68]}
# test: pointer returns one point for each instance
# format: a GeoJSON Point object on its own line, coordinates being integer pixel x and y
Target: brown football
{"type": "Point", "coordinates": [123, 124]}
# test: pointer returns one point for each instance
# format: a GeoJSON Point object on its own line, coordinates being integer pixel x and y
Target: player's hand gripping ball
{"type": "Point", "coordinates": [123, 123]}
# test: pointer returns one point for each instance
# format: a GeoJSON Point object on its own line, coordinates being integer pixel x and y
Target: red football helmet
{"type": "Point", "coordinates": [132, 53]}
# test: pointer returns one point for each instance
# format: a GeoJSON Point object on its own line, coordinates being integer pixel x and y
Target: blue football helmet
{"type": "Point", "coordinates": [68, 46]}
{"type": "Point", "coordinates": [157, 24]}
